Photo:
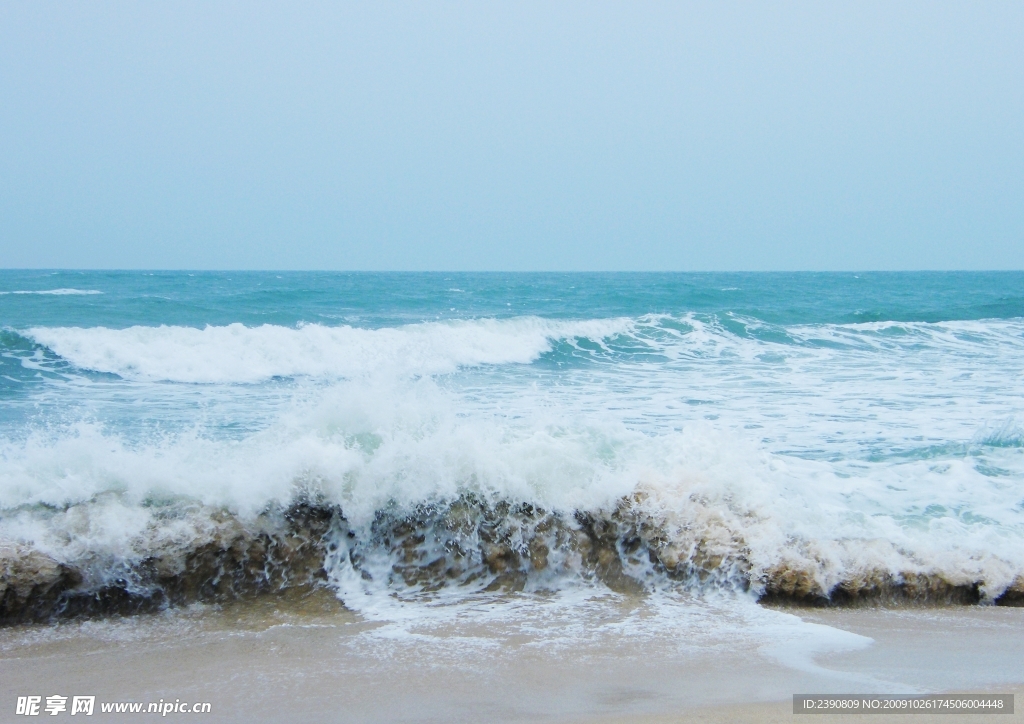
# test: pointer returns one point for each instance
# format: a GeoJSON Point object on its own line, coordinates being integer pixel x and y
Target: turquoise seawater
{"type": "Point", "coordinates": [839, 421]}
{"type": "Point", "coordinates": [122, 299]}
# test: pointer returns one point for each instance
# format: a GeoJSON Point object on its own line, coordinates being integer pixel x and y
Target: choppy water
{"type": "Point", "coordinates": [729, 426]}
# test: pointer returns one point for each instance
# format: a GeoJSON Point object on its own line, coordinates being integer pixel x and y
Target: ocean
{"type": "Point", "coordinates": [427, 439]}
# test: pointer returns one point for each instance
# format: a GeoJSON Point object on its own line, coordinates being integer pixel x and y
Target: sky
{"type": "Point", "coordinates": [512, 135]}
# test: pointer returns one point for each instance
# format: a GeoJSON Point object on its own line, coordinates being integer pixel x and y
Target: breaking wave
{"type": "Point", "coordinates": [816, 463]}
{"type": "Point", "coordinates": [416, 497]}
{"type": "Point", "coordinates": [236, 353]}
{"type": "Point", "coordinates": [239, 354]}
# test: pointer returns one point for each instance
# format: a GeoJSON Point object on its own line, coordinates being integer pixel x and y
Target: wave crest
{"type": "Point", "coordinates": [236, 353]}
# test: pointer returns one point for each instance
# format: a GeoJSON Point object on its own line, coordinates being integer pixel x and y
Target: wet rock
{"type": "Point", "coordinates": [935, 589]}
{"type": "Point", "coordinates": [1013, 595]}
{"type": "Point", "coordinates": [31, 584]}
{"type": "Point", "coordinates": [793, 585]}
{"type": "Point", "coordinates": [503, 546]}
{"type": "Point", "coordinates": [785, 585]}
{"type": "Point", "coordinates": [538, 553]}
{"type": "Point", "coordinates": [499, 558]}
{"type": "Point", "coordinates": [279, 551]}
{"type": "Point", "coordinates": [508, 582]}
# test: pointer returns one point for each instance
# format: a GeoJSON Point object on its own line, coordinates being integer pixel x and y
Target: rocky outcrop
{"type": "Point", "coordinates": [32, 584]}
{"type": "Point", "coordinates": [498, 546]}
{"type": "Point", "coordinates": [1014, 595]}
{"type": "Point", "coordinates": [796, 586]}
{"type": "Point", "coordinates": [230, 561]}
{"type": "Point", "coordinates": [628, 549]}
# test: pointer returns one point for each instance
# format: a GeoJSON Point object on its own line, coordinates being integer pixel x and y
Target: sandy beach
{"type": "Point", "coordinates": [307, 658]}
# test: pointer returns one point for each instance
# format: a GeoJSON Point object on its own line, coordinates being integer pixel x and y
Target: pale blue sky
{"type": "Point", "coordinates": [512, 136]}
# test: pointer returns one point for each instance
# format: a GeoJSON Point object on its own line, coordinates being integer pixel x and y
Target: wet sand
{"type": "Point", "coordinates": [309, 659]}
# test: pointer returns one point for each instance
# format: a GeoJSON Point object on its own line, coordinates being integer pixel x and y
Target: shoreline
{"type": "Point", "coordinates": [306, 657]}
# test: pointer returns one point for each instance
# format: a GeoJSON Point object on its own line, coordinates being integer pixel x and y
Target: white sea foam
{"type": "Point", "coordinates": [369, 448]}
{"type": "Point", "coordinates": [236, 353]}
{"type": "Point", "coordinates": [55, 292]}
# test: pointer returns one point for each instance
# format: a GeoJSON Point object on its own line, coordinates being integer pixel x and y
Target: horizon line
{"type": "Point", "coordinates": [504, 271]}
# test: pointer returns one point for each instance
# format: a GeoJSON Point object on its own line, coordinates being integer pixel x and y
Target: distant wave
{"type": "Point", "coordinates": [55, 292]}
{"type": "Point", "coordinates": [236, 353]}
